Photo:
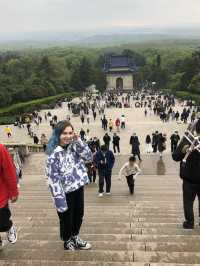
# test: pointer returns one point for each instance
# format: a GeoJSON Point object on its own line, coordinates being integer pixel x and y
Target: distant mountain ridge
{"type": "Point", "coordinates": [115, 36]}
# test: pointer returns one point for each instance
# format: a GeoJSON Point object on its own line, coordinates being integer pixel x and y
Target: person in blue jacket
{"type": "Point", "coordinates": [104, 161]}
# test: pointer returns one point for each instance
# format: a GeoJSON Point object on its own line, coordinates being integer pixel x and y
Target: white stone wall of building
{"type": "Point", "coordinates": [127, 81]}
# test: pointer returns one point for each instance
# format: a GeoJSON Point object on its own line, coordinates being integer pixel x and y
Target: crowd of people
{"type": "Point", "coordinates": [75, 159]}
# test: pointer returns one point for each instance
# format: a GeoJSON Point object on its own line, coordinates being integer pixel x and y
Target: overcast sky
{"type": "Point", "coordinates": [59, 15]}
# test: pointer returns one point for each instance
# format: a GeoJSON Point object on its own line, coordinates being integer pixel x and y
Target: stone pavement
{"type": "Point", "coordinates": [144, 229]}
{"type": "Point", "coordinates": [135, 120]}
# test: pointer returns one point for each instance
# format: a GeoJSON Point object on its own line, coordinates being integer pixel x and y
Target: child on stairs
{"type": "Point", "coordinates": [130, 170]}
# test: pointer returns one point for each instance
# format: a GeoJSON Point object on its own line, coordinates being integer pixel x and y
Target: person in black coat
{"type": "Point", "coordinates": [174, 141]}
{"type": "Point", "coordinates": [107, 140]}
{"type": "Point", "coordinates": [116, 140]}
{"type": "Point", "coordinates": [190, 174]}
{"type": "Point", "coordinates": [35, 139]}
{"type": "Point", "coordinates": [162, 143]}
{"type": "Point", "coordinates": [155, 137]}
{"type": "Point", "coordinates": [134, 142]}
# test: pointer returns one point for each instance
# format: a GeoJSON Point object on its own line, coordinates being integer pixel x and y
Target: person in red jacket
{"type": "Point", "coordinates": [117, 124]}
{"type": "Point", "coordinates": [8, 192]}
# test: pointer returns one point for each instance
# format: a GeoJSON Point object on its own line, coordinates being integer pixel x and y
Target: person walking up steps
{"type": "Point", "coordinates": [135, 144]}
{"type": "Point", "coordinates": [104, 160]}
{"type": "Point", "coordinates": [67, 176]}
{"type": "Point", "coordinates": [8, 192]}
{"type": "Point", "coordinates": [116, 141]}
{"type": "Point", "coordinates": [107, 139]}
{"type": "Point", "coordinates": [130, 170]}
{"type": "Point", "coordinates": [175, 138]}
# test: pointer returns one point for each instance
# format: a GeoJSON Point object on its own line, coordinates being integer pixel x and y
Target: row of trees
{"type": "Point", "coordinates": [176, 73]}
{"type": "Point", "coordinates": [36, 74]}
{"type": "Point", "coordinates": [28, 76]}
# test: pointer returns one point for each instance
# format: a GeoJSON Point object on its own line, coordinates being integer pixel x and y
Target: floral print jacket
{"type": "Point", "coordinates": [66, 171]}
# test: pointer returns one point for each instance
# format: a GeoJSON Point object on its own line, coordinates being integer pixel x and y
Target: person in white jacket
{"type": "Point", "coordinates": [130, 170]}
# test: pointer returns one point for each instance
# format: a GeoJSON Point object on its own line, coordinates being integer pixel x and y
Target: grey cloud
{"type": "Point", "coordinates": [39, 15]}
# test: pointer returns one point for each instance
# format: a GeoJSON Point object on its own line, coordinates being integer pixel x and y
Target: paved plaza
{"type": "Point", "coordinates": [135, 122]}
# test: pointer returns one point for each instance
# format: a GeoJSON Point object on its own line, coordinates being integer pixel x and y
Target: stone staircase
{"type": "Point", "coordinates": [144, 229]}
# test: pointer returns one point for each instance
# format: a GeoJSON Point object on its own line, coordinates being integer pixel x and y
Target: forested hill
{"type": "Point", "coordinates": [37, 73]}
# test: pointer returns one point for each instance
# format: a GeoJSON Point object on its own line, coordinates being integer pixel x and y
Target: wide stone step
{"type": "Point", "coordinates": [99, 224]}
{"type": "Point", "coordinates": [53, 220]}
{"type": "Point", "coordinates": [68, 263]}
{"type": "Point", "coordinates": [91, 230]}
{"type": "Point", "coordinates": [89, 237]}
{"type": "Point", "coordinates": [104, 256]}
{"type": "Point", "coordinates": [96, 245]}
{"type": "Point", "coordinates": [167, 257]}
{"type": "Point", "coordinates": [187, 246]}
{"type": "Point", "coordinates": [166, 238]}
{"type": "Point", "coordinates": [127, 229]}
{"type": "Point", "coordinates": [170, 231]}
{"type": "Point", "coordinates": [62, 255]}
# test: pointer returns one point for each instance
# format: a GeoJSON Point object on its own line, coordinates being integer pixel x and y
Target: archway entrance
{"type": "Point", "coordinates": [119, 84]}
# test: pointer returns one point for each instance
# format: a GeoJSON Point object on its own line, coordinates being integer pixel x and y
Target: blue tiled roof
{"type": "Point", "coordinates": [119, 61]}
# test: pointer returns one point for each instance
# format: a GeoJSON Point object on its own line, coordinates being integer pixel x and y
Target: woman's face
{"type": "Point", "coordinates": [66, 136]}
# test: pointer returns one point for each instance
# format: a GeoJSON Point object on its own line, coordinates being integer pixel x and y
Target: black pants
{"type": "Point", "coordinates": [107, 144]}
{"type": "Point", "coordinates": [131, 183]}
{"type": "Point", "coordinates": [116, 146]}
{"type": "Point", "coordinates": [122, 125]}
{"type": "Point", "coordinates": [190, 191]}
{"type": "Point", "coordinates": [106, 175]}
{"type": "Point", "coordinates": [71, 220]}
{"type": "Point", "coordinates": [44, 147]}
{"type": "Point", "coordinates": [173, 146]}
{"type": "Point", "coordinates": [136, 154]}
{"type": "Point", "coordinates": [155, 148]}
{"type": "Point", "coordinates": [5, 221]}
{"type": "Point", "coordinates": [92, 175]}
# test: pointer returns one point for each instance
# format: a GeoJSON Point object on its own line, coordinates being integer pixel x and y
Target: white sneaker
{"type": "Point", "coordinates": [81, 244]}
{"type": "Point", "coordinates": [100, 194]}
{"type": "Point", "coordinates": [108, 193]}
{"type": "Point", "coordinates": [12, 235]}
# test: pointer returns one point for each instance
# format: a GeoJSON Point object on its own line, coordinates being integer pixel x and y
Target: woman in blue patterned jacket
{"type": "Point", "coordinates": [67, 176]}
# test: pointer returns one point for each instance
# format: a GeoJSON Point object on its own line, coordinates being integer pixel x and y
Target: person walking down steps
{"type": "Point", "coordinates": [67, 176]}
{"type": "Point", "coordinates": [130, 170]}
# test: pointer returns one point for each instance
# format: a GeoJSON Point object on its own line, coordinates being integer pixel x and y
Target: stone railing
{"type": "Point", "coordinates": [25, 149]}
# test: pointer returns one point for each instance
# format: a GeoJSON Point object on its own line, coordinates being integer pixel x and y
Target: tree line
{"type": "Point", "coordinates": [29, 75]}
